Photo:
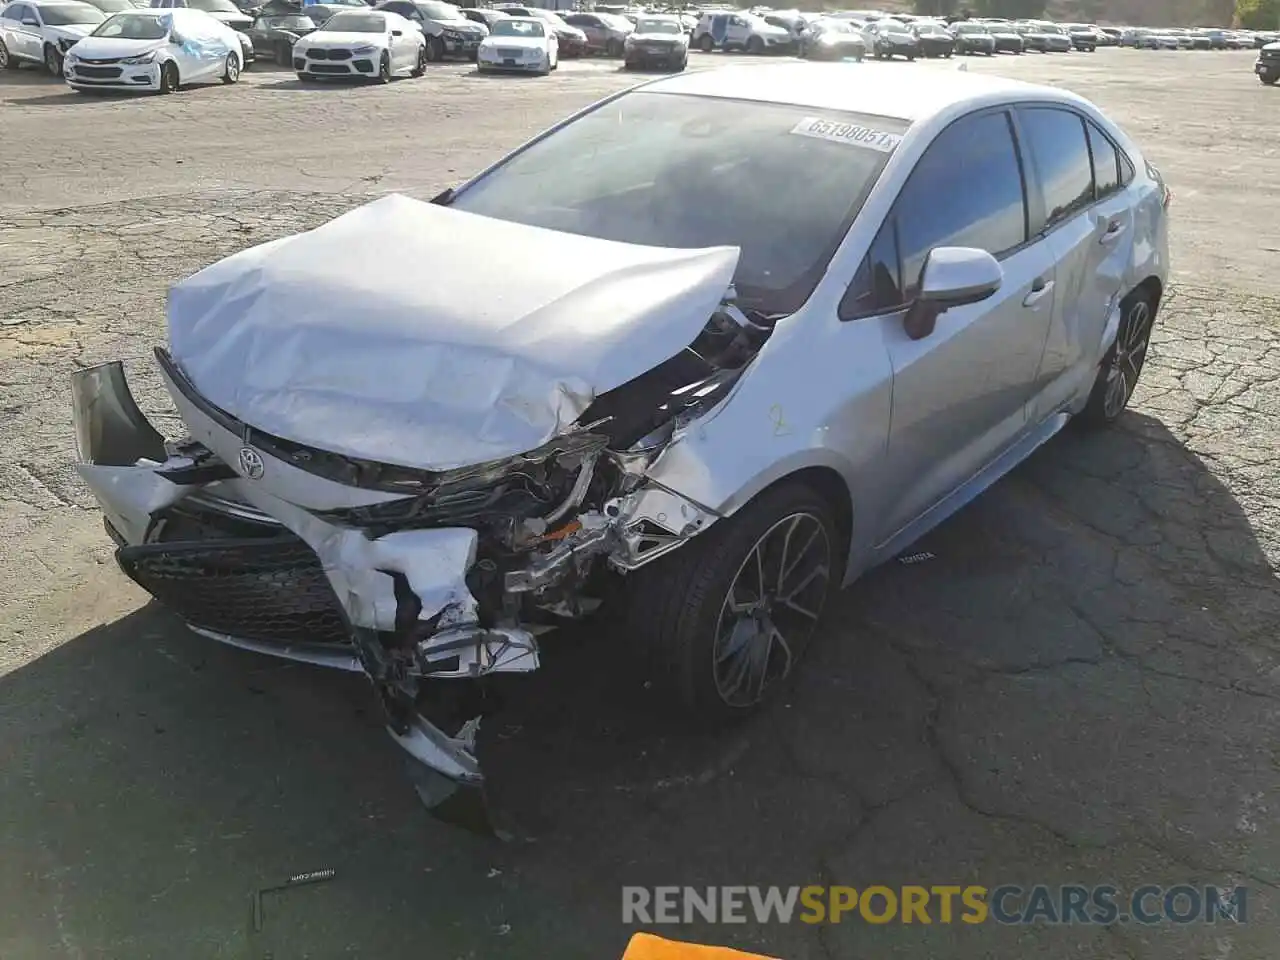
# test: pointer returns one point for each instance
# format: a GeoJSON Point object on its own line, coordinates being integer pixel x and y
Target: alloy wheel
{"type": "Point", "coordinates": [771, 609]}
{"type": "Point", "coordinates": [4, 57]}
{"type": "Point", "coordinates": [1128, 358]}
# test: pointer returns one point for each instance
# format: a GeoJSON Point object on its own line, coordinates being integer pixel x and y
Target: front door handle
{"type": "Point", "coordinates": [1040, 288]}
{"type": "Point", "coordinates": [1113, 232]}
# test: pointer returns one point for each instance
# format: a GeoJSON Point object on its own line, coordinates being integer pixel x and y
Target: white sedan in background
{"type": "Point", "coordinates": [523, 44]}
{"type": "Point", "coordinates": [155, 50]}
{"type": "Point", "coordinates": [42, 31]}
{"type": "Point", "coordinates": [374, 44]}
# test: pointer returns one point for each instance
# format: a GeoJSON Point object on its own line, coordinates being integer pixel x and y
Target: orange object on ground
{"type": "Point", "coordinates": [645, 946]}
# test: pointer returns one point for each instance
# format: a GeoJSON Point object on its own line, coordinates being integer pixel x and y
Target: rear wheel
{"type": "Point", "coordinates": [728, 616]}
{"type": "Point", "coordinates": [706, 44]}
{"type": "Point", "coordinates": [1122, 366]}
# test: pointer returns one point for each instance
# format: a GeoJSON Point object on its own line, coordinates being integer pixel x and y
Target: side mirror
{"type": "Point", "coordinates": [951, 277]}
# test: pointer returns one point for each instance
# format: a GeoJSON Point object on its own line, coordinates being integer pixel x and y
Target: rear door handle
{"type": "Point", "coordinates": [1112, 233]}
{"type": "Point", "coordinates": [1040, 288]}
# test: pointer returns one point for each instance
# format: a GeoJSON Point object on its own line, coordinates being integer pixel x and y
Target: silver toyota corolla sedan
{"type": "Point", "coordinates": [751, 332]}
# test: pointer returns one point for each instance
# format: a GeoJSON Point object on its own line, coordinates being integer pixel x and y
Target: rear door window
{"type": "Point", "coordinates": [1057, 142]}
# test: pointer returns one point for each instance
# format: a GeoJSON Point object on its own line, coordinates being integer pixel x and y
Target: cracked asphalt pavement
{"type": "Point", "coordinates": [1082, 685]}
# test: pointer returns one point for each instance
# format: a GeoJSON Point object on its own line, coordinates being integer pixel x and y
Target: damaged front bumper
{"type": "Point", "coordinates": [255, 546]}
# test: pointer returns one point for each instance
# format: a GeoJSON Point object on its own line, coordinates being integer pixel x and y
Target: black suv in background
{"type": "Point", "coordinates": [1267, 66]}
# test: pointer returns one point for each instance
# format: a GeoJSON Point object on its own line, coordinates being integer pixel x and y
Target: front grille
{"type": "Point", "coordinates": [98, 73]}
{"type": "Point", "coordinates": [1270, 54]}
{"type": "Point", "coordinates": [339, 54]}
{"type": "Point", "coordinates": [271, 590]}
{"type": "Point", "coordinates": [318, 54]}
{"type": "Point", "coordinates": [508, 53]}
{"type": "Point", "coordinates": [107, 60]}
{"type": "Point", "coordinates": [328, 68]}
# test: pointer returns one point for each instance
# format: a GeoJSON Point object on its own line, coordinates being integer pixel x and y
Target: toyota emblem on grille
{"type": "Point", "coordinates": [251, 464]}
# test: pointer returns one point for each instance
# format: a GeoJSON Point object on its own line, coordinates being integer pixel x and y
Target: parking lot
{"type": "Point", "coordinates": [1081, 684]}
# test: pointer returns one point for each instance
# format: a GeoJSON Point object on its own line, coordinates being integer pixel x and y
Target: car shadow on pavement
{"type": "Point", "coordinates": [155, 776]}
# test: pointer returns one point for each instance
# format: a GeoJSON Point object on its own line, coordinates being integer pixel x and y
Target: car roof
{"type": "Point", "coordinates": [903, 94]}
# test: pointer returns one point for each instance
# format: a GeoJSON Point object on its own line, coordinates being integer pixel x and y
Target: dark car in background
{"type": "Point", "coordinates": [1082, 37]}
{"type": "Point", "coordinates": [605, 32]}
{"type": "Point", "coordinates": [447, 31]}
{"type": "Point", "coordinates": [483, 16]}
{"type": "Point", "coordinates": [657, 41]}
{"type": "Point", "coordinates": [1267, 66]}
{"type": "Point", "coordinates": [973, 38]}
{"type": "Point", "coordinates": [934, 38]}
{"type": "Point", "coordinates": [830, 39]}
{"type": "Point", "coordinates": [1007, 38]}
{"type": "Point", "coordinates": [273, 35]}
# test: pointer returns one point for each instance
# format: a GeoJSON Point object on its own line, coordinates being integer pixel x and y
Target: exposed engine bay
{"type": "Point", "coordinates": [411, 575]}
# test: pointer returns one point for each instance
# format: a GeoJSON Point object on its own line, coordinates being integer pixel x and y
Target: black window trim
{"type": "Point", "coordinates": [1126, 162]}
{"type": "Point", "coordinates": [1028, 198]}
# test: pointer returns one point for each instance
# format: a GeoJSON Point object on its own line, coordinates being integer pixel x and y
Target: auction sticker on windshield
{"type": "Point", "coordinates": [854, 134]}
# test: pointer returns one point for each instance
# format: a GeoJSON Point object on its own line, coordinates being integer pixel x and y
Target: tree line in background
{"type": "Point", "coordinates": [1248, 14]}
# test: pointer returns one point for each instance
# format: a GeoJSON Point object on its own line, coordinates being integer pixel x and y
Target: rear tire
{"type": "Point", "coordinates": [717, 651]}
{"type": "Point", "coordinates": [706, 44]}
{"type": "Point", "coordinates": [1123, 363]}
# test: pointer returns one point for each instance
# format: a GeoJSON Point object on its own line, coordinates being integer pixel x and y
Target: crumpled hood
{"type": "Point", "coordinates": [413, 334]}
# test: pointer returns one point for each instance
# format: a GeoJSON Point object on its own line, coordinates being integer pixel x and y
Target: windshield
{"type": "Point", "coordinates": [114, 6]}
{"type": "Point", "coordinates": [834, 26]}
{"type": "Point", "coordinates": [658, 26]}
{"type": "Point", "coordinates": [61, 14]}
{"type": "Point", "coordinates": [213, 6]}
{"type": "Point", "coordinates": [517, 28]}
{"type": "Point", "coordinates": [440, 11]}
{"type": "Point", "coordinates": [134, 26]}
{"type": "Point", "coordinates": [290, 23]}
{"type": "Point", "coordinates": [670, 170]}
{"type": "Point", "coordinates": [355, 23]}
{"type": "Point", "coordinates": [970, 28]}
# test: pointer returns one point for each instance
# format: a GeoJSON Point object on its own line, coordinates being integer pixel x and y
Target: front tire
{"type": "Point", "coordinates": [435, 49]}
{"type": "Point", "coordinates": [384, 69]}
{"type": "Point", "coordinates": [170, 82]}
{"type": "Point", "coordinates": [231, 72]}
{"type": "Point", "coordinates": [613, 48]}
{"type": "Point", "coordinates": [52, 60]}
{"type": "Point", "coordinates": [420, 65]}
{"type": "Point", "coordinates": [284, 53]}
{"type": "Point", "coordinates": [727, 617]}
{"type": "Point", "coordinates": [7, 62]}
{"type": "Point", "coordinates": [1268, 79]}
{"type": "Point", "coordinates": [1122, 365]}
{"type": "Point", "coordinates": [755, 46]}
